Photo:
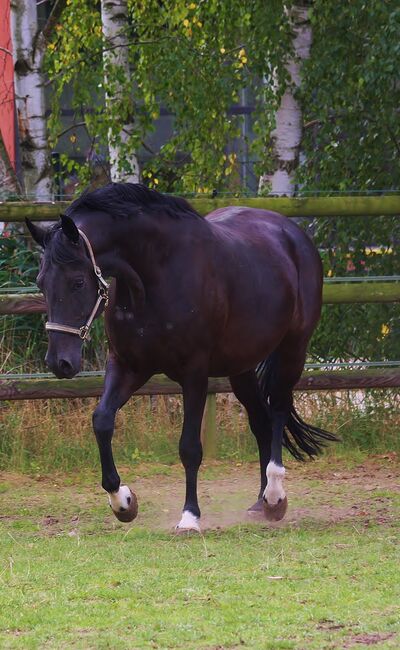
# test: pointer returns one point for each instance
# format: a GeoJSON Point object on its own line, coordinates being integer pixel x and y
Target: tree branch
{"type": "Point", "coordinates": [69, 128]}
{"type": "Point", "coordinates": [53, 19]}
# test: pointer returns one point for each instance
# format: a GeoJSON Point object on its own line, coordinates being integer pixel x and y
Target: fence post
{"type": "Point", "coordinates": [209, 427]}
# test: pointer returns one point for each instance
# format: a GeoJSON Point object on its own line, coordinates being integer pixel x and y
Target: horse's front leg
{"type": "Point", "coordinates": [119, 385]}
{"type": "Point", "coordinates": [190, 448]}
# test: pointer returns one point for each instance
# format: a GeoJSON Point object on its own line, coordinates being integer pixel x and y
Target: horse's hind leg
{"type": "Point", "coordinates": [120, 384]}
{"type": "Point", "coordinates": [285, 366]}
{"type": "Point", "coordinates": [247, 390]}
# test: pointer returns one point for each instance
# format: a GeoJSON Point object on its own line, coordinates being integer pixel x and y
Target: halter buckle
{"type": "Point", "coordinates": [103, 293]}
{"type": "Point", "coordinates": [84, 333]}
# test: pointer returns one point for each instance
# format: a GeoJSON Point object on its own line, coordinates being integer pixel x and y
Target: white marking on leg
{"type": "Point", "coordinates": [189, 522]}
{"type": "Point", "coordinates": [120, 499]}
{"type": "Point", "coordinates": [274, 490]}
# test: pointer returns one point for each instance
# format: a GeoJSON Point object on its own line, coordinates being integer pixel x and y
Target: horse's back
{"type": "Point", "coordinates": [277, 251]}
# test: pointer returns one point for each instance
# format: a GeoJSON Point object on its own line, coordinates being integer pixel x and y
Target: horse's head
{"type": "Point", "coordinates": [74, 291]}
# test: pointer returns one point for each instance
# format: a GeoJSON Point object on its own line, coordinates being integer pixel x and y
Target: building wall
{"type": "Point", "coordinates": [7, 105]}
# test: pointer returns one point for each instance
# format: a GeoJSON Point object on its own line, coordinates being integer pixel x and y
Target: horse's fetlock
{"type": "Point", "coordinates": [110, 484]}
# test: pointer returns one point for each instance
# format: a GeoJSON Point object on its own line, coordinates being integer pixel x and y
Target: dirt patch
{"type": "Point", "coordinates": [320, 493]}
{"type": "Point", "coordinates": [368, 639]}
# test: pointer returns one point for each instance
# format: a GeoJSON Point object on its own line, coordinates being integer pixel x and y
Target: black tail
{"type": "Point", "coordinates": [298, 436]}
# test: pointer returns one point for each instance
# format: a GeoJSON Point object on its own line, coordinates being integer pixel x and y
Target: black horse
{"type": "Point", "coordinates": [235, 294]}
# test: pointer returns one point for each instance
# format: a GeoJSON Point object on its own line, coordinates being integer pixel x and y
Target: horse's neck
{"type": "Point", "coordinates": [135, 251]}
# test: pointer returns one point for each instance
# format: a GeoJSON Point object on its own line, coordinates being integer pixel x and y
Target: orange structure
{"type": "Point", "coordinates": [7, 97]}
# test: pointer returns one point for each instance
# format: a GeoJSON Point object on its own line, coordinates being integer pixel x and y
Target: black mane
{"type": "Point", "coordinates": [123, 200]}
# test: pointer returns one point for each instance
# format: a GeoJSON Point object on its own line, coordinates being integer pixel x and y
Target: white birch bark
{"type": "Point", "coordinates": [288, 131]}
{"type": "Point", "coordinates": [28, 51]}
{"type": "Point", "coordinates": [114, 17]}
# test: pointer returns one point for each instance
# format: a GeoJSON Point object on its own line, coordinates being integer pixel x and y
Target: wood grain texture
{"type": "Point", "coordinates": [320, 206]}
{"type": "Point", "coordinates": [15, 389]}
{"type": "Point", "coordinates": [22, 303]}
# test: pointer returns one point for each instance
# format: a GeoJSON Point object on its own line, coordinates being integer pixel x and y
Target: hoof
{"type": "Point", "coordinates": [189, 523]}
{"type": "Point", "coordinates": [257, 507]}
{"type": "Point", "coordinates": [187, 532]}
{"type": "Point", "coordinates": [275, 512]}
{"type": "Point", "coordinates": [130, 513]}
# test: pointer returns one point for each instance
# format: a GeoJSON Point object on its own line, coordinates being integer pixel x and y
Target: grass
{"type": "Point", "coordinates": [73, 577]}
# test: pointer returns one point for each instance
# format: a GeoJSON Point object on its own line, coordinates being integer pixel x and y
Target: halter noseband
{"type": "Point", "coordinates": [83, 332]}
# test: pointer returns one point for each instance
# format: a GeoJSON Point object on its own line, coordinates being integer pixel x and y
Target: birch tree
{"type": "Point", "coordinates": [117, 75]}
{"type": "Point", "coordinates": [287, 135]}
{"type": "Point", "coordinates": [29, 45]}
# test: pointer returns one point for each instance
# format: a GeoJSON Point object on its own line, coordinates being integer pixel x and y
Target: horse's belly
{"type": "Point", "coordinates": [235, 356]}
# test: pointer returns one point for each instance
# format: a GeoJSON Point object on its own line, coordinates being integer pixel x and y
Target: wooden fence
{"type": "Point", "coordinates": [330, 206]}
{"type": "Point", "coordinates": [21, 387]}
{"type": "Point", "coordinates": [33, 303]}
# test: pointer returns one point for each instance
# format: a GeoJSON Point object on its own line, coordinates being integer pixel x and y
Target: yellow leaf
{"type": "Point", "coordinates": [385, 329]}
{"type": "Point", "coordinates": [242, 52]}
{"type": "Point", "coordinates": [155, 181]}
{"type": "Point", "coordinates": [192, 5]}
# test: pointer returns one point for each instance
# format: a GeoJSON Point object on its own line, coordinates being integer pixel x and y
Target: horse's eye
{"type": "Point", "coordinates": [78, 284]}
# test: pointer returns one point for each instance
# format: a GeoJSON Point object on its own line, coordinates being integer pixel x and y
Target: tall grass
{"type": "Point", "coordinates": [46, 435]}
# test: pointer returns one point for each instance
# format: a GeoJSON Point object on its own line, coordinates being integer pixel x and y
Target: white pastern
{"type": "Point", "coordinates": [189, 522]}
{"type": "Point", "coordinates": [274, 490]}
{"type": "Point", "coordinates": [120, 499]}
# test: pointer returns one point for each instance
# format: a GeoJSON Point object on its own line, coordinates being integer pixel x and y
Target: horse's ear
{"type": "Point", "coordinates": [38, 232]}
{"type": "Point", "coordinates": [69, 228]}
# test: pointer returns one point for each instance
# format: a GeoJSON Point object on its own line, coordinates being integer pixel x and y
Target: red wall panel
{"type": "Point", "coordinates": [7, 103]}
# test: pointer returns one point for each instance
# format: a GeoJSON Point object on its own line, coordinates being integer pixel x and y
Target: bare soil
{"type": "Point", "coordinates": [321, 493]}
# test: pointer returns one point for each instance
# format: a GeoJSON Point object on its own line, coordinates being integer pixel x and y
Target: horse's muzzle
{"type": "Point", "coordinates": [62, 368]}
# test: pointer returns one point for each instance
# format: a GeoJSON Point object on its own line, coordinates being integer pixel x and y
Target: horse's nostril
{"type": "Point", "coordinates": [64, 365]}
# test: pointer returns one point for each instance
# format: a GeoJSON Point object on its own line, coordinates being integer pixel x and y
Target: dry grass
{"type": "Point", "coordinates": [57, 434]}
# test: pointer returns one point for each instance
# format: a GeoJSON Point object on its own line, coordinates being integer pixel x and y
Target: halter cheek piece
{"type": "Point", "coordinates": [83, 332]}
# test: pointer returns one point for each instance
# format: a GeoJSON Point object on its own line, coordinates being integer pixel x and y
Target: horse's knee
{"type": "Point", "coordinates": [103, 421]}
{"type": "Point", "coordinates": [190, 452]}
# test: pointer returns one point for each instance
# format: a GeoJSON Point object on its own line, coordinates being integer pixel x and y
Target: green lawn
{"type": "Point", "coordinates": [73, 577]}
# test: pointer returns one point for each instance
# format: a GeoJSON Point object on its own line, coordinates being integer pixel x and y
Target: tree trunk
{"type": "Point", "coordinates": [29, 48]}
{"type": "Point", "coordinates": [288, 131]}
{"type": "Point", "coordinates": [114, 16]}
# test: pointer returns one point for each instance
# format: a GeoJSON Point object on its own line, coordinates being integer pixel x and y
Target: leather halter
{"type": "Point", "coordinates": [102, 294]}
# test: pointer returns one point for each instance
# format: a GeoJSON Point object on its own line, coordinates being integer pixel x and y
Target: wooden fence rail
{"type": "Point", "coordinates": [92, 386]}
{"type": "Point", "coordinates": [354, 292]}
{"type": "Point", "coordinates": [320, 206]}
